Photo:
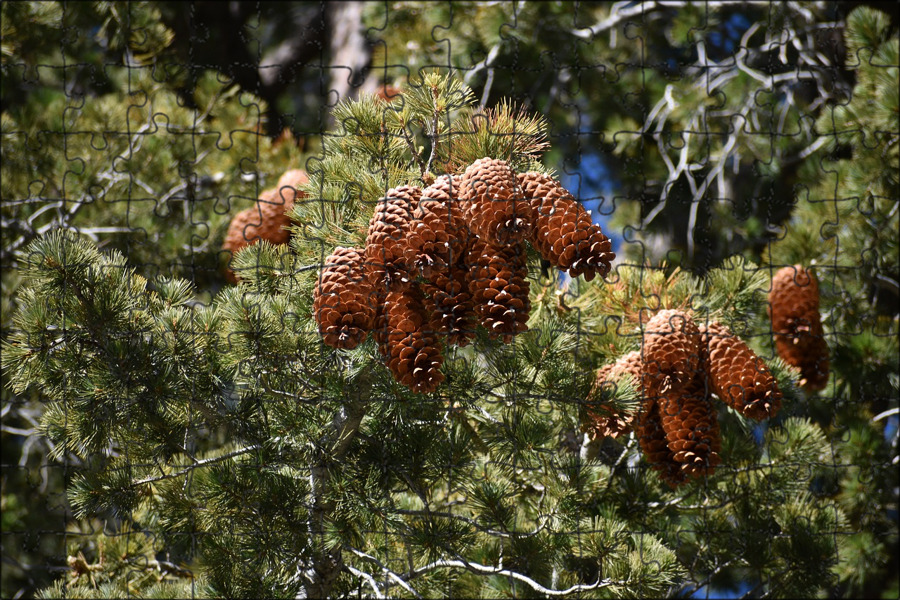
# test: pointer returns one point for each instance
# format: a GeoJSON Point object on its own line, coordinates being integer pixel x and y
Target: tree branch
{"type": "Point", "coordinates": [480, 569]}
{"type": "Point", "coordinates": [197, 465]}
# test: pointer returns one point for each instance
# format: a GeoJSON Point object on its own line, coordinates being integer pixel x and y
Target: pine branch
{"type": "Point", "coordinates": [200, 463]}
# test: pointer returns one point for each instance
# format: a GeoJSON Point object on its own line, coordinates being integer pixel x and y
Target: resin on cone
{"type": "Point", "coordinates": [410, 348]}
{"type": "Point", "coordinates": [386, 239]}
{"type": "Point", "coordinates": [737, 375]}
{"type": "Point", "coordinates": [344, 300]}
{"type": "Point", "coordinates": [499, 287]}
{"type": "Point", "coordinates": [799, 338]}
{"type": "Point", "coordinates": [563, 231]}
{"type": "Point", "coordinates": [602, 420]}
{"type": "Point", "coordinates": [492, 202]}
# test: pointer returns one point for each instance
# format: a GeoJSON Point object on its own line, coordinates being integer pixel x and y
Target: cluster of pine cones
{"type": "Point", "coordinates": [440, 260]}
{"type": "Point", "coordinates": [681, 363]}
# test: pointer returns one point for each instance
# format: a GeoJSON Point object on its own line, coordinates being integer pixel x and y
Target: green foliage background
{"type": "Point", "coordinates": [165, 435]}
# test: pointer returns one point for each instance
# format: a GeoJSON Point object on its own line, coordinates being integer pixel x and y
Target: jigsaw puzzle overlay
{"type": "Point", "coordinates": [459, 299]}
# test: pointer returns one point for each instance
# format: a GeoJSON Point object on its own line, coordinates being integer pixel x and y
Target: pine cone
{"type": "Point", "coordinates": [492, 203]}
{"type": "Point", "coordinates": [292, 179]}
{"type": "Point", "coordinates": [344, 299]}
{"type": "Point", "coordinates": [799, 338]}
{"type": "Point", "coordinates": [671, 351]}
{"type": "Point", "coordinates": [386, 240]}
{"type": "Point", "coordinates": [499, 287]}
{"type": "Point", "coordinates": [652, 439]}
{"type": "Point", "coordinates": [407, 343]}
{"type": "Point", "coordinates": [451, 306]}
{"type": "Point", "coordinates": [437, 235]}
{"type": "Point", "coordinates": [737, 375]}
{"type": "Point", "coordinates": [601, 419]}
{"type": "Point", "coordinates": [689, 421]}
{"type": "Point", "coordinates": [265, 221]}
{"type": "Point", "coordinates": [563, 231]}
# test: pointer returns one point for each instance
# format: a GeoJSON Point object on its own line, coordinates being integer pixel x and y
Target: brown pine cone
{"type": "Point", "coordinates": [451, 306]}
{"type": "Point", "coordinates": [410, 348]}
{"type": "Point", "coordinates": [386, 240]}
{"type": "Point", "coordinates": [671, 351]}
{"type": "Point", "coordinates": [689, 421]}
{"type": "Point", "coordinates": [499, 287]}
{"type": "Point", "coordinates": [344, 299]}
{"type": "Point", "coordinates": [737, 375]}
{"type": "Point", "coordinates": [265, 221]}
{"type": "Point", "coordinates": [799, 338]}
{"type": "Point", "coordinates": [492, 203]}
{"type": "Point", "coordinates": [437, 234]}
{"type": "Point", "coordinates": [601, 419]}
{"type": "Point", "coordinates": [652, 439]}
{"type": "Point", "coordinates": [293, 179]}
{"type": "Point", "coordinates": [563, 231]}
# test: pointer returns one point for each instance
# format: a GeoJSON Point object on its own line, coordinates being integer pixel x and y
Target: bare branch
{"type": "Point", "coordinates": [480, 569]}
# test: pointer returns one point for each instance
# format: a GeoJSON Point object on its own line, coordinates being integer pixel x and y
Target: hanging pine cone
{"type": "Point", "coordinates": [386, 240]}
{"type": "Point", "coordinates": [492, 203]}
{"type": "Point", "coordinates": [437, 234]}
{"type": "Point", "coordinates": [451, 306]}
{"type": "Point", "coordinates": [563, 231]}
{"type": "Point", "coordinates": [602, 420]}
{"type": "Point", "coordinates": [407, 343]}
{"type": "Point", "coordinates": [737, 375]}
{"type": "Point", "coordinates": [652, 439]}
{"type": "Point", "coordinates": [344, 299]}
{"type": "Point", "coordinates": [689, 421]}
{"type": "Point", "coordinates": [265, 221]}
{"type": "Point", "coordinates": [292, 180]}
{"type": "Point", "coordinates": [671, 351]}
{"type": "Point", "coordinates": [499, 287]}
{"type": "Point", "coordinates": [799, 338]}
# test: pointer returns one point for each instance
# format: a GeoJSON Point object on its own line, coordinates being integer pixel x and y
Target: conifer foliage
{"type": "Point", "coordinates": [433, 376]}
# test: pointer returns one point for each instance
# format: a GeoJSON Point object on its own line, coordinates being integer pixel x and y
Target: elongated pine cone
{"type": "Point", "coordinates": [410, 348]}
{"type": "Point", "coordinates": [689, 421]}
{"type": "Point", "coordinates": [799, 338]}
{"type": "Point", "coordinates": [344, 300]}
{"type": "Point", "coordinates": [671, 351]}
{"type": "Point", "coordinates": [652, 439]}
{"type": "Point", "coordinates": [437, 234]}
{"type": "Point", "coordinates": [386, 239]}
{"type": "Point", "coordinates": [602, 420]}
{"type": "Point", "coordinates": [563, 231]}
{"type": "Point", "coordinates": [492, 203]}
{"type": "Point", "coordinates": [451, 306]}
{"type": "Point", "coordinates": [499, 287]}
{"type": "Point", "coordinates": [737, 375]}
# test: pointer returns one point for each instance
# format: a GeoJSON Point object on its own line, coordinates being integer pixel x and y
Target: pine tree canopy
{"type": "Point", "coordinates": [549, 300]}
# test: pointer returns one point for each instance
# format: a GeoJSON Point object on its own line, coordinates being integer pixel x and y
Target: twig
{"type": "Point", "coordinates": [198, 464]}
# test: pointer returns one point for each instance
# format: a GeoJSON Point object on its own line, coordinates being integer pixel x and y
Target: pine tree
{"type": "Point", "coordinates": [241, 446]}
